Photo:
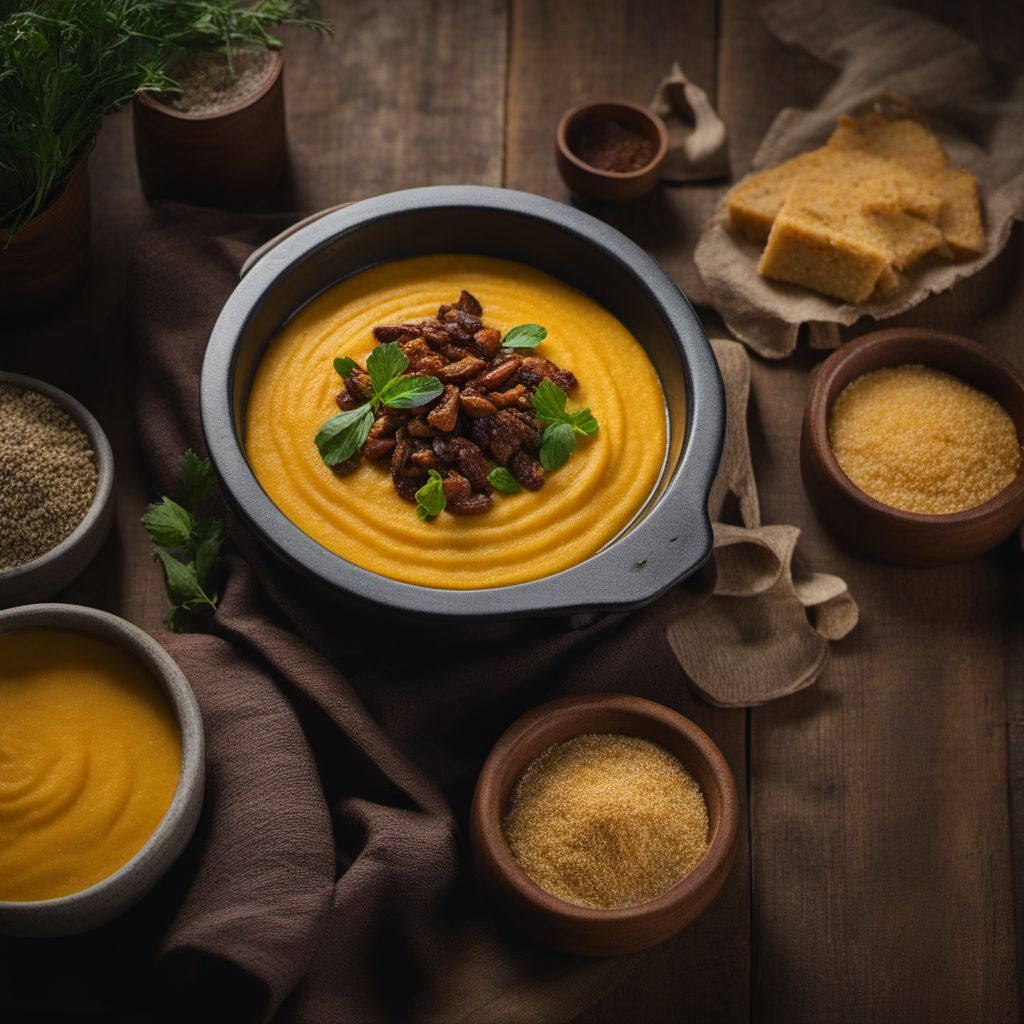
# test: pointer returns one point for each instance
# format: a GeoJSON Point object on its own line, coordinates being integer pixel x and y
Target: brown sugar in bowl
{"type": "Point", "coordinates": [606, 185]}
{"type": "Point", "coordinates": [908, 538]}
{"type": "Point", "coordinates": [568, 927]}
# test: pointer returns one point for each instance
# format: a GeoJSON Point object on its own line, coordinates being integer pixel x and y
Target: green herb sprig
{"type": "Point", "coordinates": [558, 441]}
{"type": "Point", "coordinates": [186, 542]}
{"type": "Point", "coordinates": [64, 64]}
{"type": "Point", "coordinates": [183, 26]}
{"type": "Point", "coordinates": [343, 435]}
{"type": "Point", "coordinates": [430, 498]}
{"type": "Point", "coordinates": [502, 480]}
{"type": "Point", "coordinates": [524, 336]}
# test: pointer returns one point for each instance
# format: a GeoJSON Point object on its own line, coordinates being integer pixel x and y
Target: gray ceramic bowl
{"type": "Point", "coordinates": [49, 573]}
{"type": "Point", "coordinates": [668, 540]}
{"type": "Point", "coordinates": [99, 903]}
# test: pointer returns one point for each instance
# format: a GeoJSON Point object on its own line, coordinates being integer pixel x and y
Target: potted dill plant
{"type": "Point", "coordinates": [64, 64]}
{"type": "Point", "coordinates": [217, 134]}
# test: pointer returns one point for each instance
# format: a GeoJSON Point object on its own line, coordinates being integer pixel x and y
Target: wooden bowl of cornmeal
{"type": "Point", "coordinates": [603, 824]}
{"type": "Point", "coordinates": [911, 446]}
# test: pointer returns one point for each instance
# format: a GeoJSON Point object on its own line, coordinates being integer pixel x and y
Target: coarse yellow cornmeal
{"type": "Point", "coordinates": [921, 440]}
{"type": "Point", "coordinates": [524, 536]}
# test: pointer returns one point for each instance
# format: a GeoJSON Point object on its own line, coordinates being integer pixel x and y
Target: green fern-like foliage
{"type": "Point", "coordinates": [64, 64]}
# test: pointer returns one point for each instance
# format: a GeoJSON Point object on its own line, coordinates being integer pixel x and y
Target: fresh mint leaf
{"type": "Point", "coordinates": [182, 583]}
{"type": "Point", "coordinates": [209, 539]}
{"type": "Point", "coordinates": [410, 392]}
{"type": "Point", "coordinates": [583, 422]}
{"type": "Point", "coordinates": [168, 524]}
{"type": "Point", "coordinates": [502, 480]}
{"type": "Point", "coordinates": [343, 366]}
{"type": "Point", "coordinates": [549, 402]}
{"type": "Point", "coordinates": [195, 481]}
{"type": "Point", "coordinates": [557, 443]}
{"type": "Point", "coordinates": [343, 435]}
{"type": "Point", "coordinates": [178, 619]}
{"type": "Point", "coordinates": [524, 336]}
{"type": "Point", "coordinates": [560, 426]}
{"type": "Point", "coordinates": [385, 363]}
{"type": "Point", "coordinates": [430, 499]}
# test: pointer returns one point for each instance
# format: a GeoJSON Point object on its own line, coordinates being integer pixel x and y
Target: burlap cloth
{"type": "Point", "coordinates": [887, 58]}
{"type": "Point", "coordinates": [328, 880]}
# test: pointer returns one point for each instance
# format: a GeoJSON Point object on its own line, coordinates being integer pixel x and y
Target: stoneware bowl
{"type": "Point", "coordinates": [584, 930]}
{"type": "Point", "coordinates": [82, 911]}
{"type": "Point", "coordinates": [907, 537]}
{"type": "Point", "coordinates": [54, 570]}
{"type": "Point", "coordinates": [610, 186]}
{"type": "Point", "coordinates": [671, 536]}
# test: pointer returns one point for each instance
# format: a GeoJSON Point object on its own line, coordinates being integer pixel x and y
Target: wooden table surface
{"type": "Point", "coordinates": [881, 870]}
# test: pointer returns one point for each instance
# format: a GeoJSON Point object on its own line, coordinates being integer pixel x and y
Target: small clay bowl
{"type": "Point", "coordinates": [89, 908]}
{"type": "Point", "coordinates": [53, 571]}
{"type": "Point", "coordinates": [610, 186]}
{"type": "Point", "coordinates": [908, 538]}
{"type": "Point", "coordinates": [583, 930]}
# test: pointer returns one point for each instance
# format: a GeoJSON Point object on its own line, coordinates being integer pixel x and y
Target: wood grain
{"type": "Point", "coordinates": [562, 54]}
{"type": "Point", "coordinates": [881, 882]}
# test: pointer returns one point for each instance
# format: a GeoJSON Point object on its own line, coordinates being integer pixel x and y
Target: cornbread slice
{"type": "Point", "coordinates": [914, 148]}
{"type": "Point", "coordinates": [835, 230]}
{"type": "Point", "coordinates": [908, 143]}
{"type": "Point", "coordinates": [909, 237]}
{"type": "Point", "coordinates": [960, 218]}
{"type": "Point", "coordinates": [753, 204]}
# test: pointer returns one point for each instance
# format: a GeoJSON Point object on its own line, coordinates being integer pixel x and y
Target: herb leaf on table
{"type": "Point", "coordinates": [186, 542]}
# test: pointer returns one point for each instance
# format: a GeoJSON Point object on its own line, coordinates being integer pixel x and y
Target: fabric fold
{"type": "Point", "coordinates": [698, 143]}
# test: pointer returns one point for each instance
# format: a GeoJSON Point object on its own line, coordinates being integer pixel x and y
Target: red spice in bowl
{"type": "Point", "coordinates": [610, 146]}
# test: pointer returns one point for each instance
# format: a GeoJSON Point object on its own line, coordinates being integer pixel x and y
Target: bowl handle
{"type": "Point", "coordinates": [257, 254]}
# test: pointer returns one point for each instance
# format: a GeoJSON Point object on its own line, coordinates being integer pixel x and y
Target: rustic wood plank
{"type": "Point", "coordinates": [564, 53]}
{"type": "Point", "coordinates": [881, 858]}
{"type": "Point", "coordinates": [404, 94]}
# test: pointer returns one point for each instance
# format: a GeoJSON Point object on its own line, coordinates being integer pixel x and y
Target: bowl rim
{"type": "Point", "coordinates": [569, 118]}
{"type": "Point", "coordinates": [149, 99]}
{"type": "Point", "coordinates": [678, 514]}
{"type": "Point", "coordinates": [819, 405]}
{"type": "Point", "coordinates": [103, 456]}
{"type": "Point", "coordinates": [178, 822]}
{"type": "Point", "coordinates": [487, 810]}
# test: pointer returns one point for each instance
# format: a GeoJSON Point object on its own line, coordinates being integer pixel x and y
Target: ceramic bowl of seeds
{"type": "Point", "coordinates": [56, 489]}
{"type": "Point", "coordinates": [603, 824]}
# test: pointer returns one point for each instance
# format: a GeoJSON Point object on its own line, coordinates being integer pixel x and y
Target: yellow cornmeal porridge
{"type": "Point", "coordinates": [524, 536]}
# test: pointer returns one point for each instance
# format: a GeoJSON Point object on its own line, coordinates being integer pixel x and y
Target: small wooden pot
{"type": "Point", "coordinates": [50, 254]}
{"type": "Point", "coordinates": [610, 186]}
{"type": "Point", "coordinates": [585, 930]}
{"type": "Point", "coordinates": [232, 159]}
{"type": "Point", "coordinates": [908, 538]}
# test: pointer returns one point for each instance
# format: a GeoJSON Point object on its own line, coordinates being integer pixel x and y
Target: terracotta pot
{"type": "Point", "coordinates": [231, 159]}
{"type": "Point", "coordinates": [50, 254]}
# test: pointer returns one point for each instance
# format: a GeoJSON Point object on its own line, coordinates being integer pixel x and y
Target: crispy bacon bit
{"type": "Point", "coordinates": [484, 415]}
{"type": "Point", "coordinates": [477, 406]}
{"type": "Point", "coordinates": [445, 414]}
{"type": "Point", "coordinates": [527, 470]}
{"type": "Point", "coordinates": [461, 370]}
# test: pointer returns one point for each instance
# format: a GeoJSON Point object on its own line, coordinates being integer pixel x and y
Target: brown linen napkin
{"type": "Point", "coordinates": [698, 145]}
{"type": "Point", "coordinates": [765, 631]}
{"type": "Point", "coordinates": [888, 57]}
